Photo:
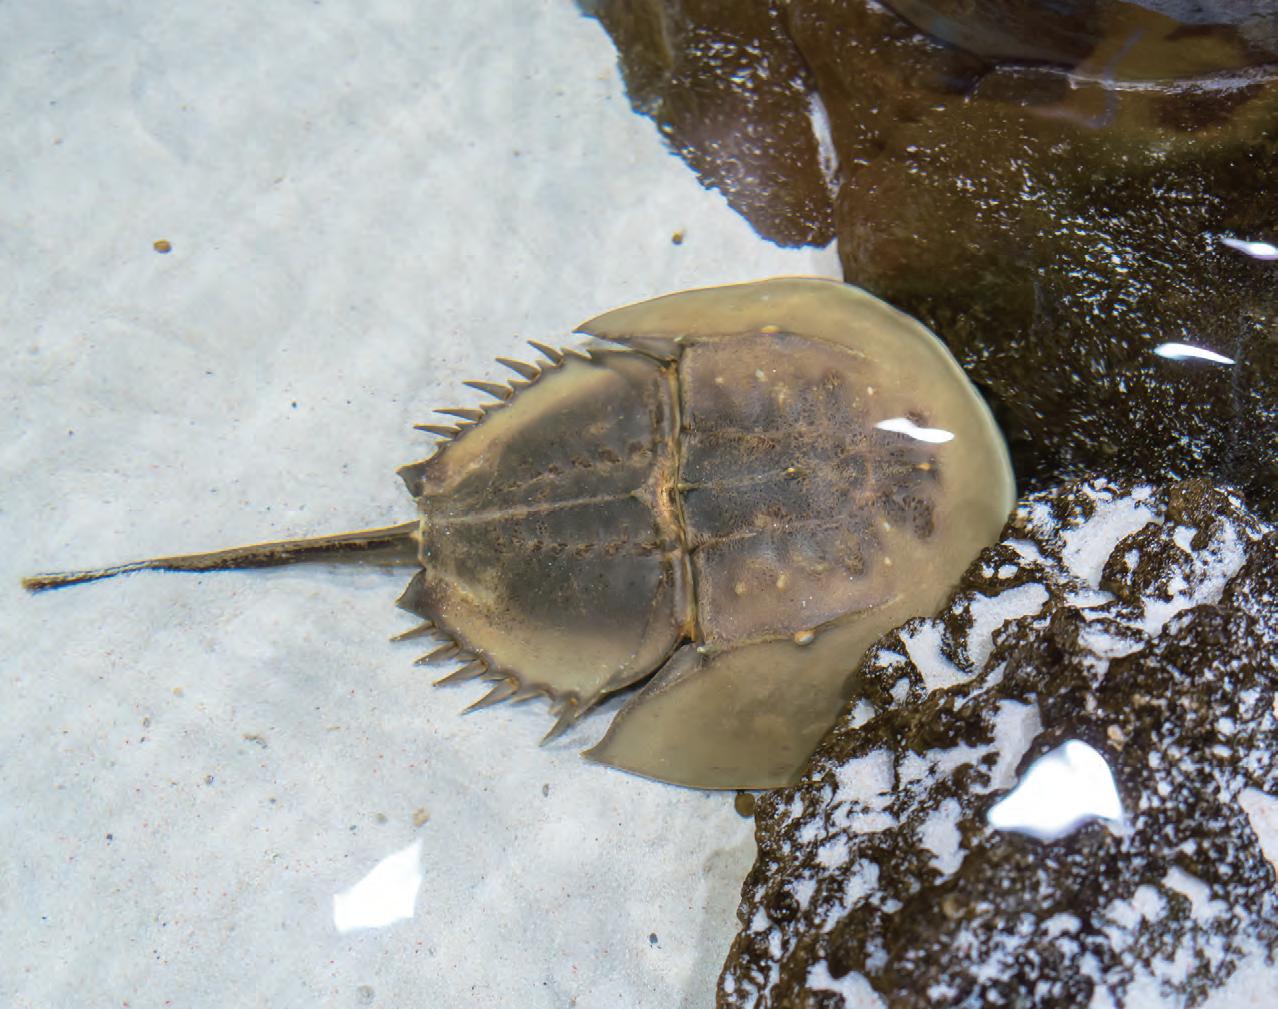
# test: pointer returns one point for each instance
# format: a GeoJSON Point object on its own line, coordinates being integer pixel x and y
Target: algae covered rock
{"type": "Point", "coordinates": [1141, 623]}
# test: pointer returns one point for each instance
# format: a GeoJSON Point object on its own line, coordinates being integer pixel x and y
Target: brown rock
{"type": "Point", "coordinates": [730, 94]}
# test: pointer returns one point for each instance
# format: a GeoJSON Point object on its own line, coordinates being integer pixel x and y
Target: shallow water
{"type": "Point", "coordinates": [245, 253]}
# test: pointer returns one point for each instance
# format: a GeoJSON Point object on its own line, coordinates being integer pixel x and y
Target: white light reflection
{"type": "Point", "coordinates": [386, 895]}
{"type": "Point", "coordinates": [1061, 791]}
{"type": "Point", "coordinates": [1256, 250]}
{"type": "Point", "coordinates": [1186, 351]}
{"type": "Point", "coordinates": [903, 425]}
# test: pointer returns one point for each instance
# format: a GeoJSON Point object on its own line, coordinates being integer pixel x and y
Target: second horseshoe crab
{"type": "Point", "coordinates": [732, 503]}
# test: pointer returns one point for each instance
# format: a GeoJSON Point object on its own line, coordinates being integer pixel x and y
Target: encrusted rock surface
{"type": "Point", "coordinates": [1141, 621]}
{"type": "Point", "coordinates": [1055, 225]}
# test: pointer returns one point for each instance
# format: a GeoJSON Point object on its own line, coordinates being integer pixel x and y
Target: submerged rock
{"type": "Point", "coordinates": [1095, 240]}
{"type": "Point", "coordinates": [729, 92]}
{"type": "Point", "coordinates": [1142, 623]}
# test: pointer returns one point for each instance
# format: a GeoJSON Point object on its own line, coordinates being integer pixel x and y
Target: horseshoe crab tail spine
{"type": "Point", "coordinates": [390, 545]}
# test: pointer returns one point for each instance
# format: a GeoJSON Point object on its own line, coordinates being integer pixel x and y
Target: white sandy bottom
{"type": "Point", "coordinates": [366, 204]}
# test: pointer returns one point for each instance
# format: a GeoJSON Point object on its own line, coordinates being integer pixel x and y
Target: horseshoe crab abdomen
{"type": "Point", "coordinates": [549, 546]}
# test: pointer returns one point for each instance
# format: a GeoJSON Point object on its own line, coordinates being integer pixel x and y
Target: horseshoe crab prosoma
{"type": "Point", "coordinates": [763, 480]}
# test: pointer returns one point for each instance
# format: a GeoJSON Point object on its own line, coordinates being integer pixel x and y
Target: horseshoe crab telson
{"type": "Point", "coordinates": [761, 481]}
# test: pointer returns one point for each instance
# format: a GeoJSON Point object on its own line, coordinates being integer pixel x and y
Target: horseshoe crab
{"type": "Point", "coordinates": [752, 485]}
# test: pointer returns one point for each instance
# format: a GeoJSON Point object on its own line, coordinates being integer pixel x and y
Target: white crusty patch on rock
{"type": "Point", "coordinates": [1210, 570]}
{"type": "Point", "coordinates": [1089, 545]}
{"type": "Point", "coordinates": [988, 613]}
{"type": "Point", "coordinates": [866, 781]}
{"type": "Point", "coordinates": [1262, 814]}
{"type": "Point", "coordinates": [923, 645]}
{"type": "Point", "coordinates": [854, 988]}
{"type": "Point", "coordinates": [1197, 892]}
{"type": "Point", "coordinates": [939, 834]}
{"type": "Point", "coordinates": [1016, 724]}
